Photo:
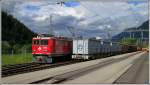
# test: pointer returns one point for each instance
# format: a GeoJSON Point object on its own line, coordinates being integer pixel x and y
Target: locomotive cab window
{"type": "Point", "coordinates": [36, 42]}
{"type": "Point", "coordinates": [44, 42]}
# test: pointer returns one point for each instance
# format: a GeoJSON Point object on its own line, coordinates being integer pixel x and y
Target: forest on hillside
{"type": "Point", "coordinates": [15, 35]}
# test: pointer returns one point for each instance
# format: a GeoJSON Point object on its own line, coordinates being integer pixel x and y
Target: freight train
{"type": "Point", "coordinates": [49, 49]}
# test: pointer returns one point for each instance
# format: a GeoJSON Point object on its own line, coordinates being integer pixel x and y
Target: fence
{"type": "Point", "coordinates": [12, 52]}
{"type": "Point", "coordinates": [16, 57]}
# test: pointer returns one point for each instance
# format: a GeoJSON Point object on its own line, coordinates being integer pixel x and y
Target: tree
{"type": "Point", "coordinates": [129, 41]}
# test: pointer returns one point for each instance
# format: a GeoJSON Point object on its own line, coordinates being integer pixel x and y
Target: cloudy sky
{"type": "Point", "coordinates": [86, 18]}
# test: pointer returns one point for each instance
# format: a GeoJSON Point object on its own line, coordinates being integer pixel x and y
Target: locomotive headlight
{"type": "Point", "coordinates": [34, 50]}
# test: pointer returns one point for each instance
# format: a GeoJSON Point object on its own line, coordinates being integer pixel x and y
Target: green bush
{"type": "Point", "coordinates": [5, 45]}
{"type": "Point", "coordinates": [129, 41]}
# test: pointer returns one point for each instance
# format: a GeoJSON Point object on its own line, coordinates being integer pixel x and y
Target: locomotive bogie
{"type": "Point", "coordinates": [84, 57]}
{"type": "Point", "coordinates": [42, 59]}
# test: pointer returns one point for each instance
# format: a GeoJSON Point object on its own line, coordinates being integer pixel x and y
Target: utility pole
{"type": "Point", "coordinates": [71, 30]}
{"type": "Point", "coordinates": [130, 34]}
{"type": "Point", "coordinates": [51, 17]}
{"type": "Point", "coordinates": [133, 35]}
{"type": "Point", "coordinates": [108, 31]}
{"type": "Point", "coordinates": [51, 27]}
{"type": "Point", "coordinates": [61, 3]}
{"type": "Point", "coordinates": [142, 35]}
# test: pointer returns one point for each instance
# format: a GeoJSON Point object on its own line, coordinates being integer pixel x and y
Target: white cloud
{"type": "Point", "coordinates": [41, 18]}
{"type": "Point", "coordinates": [85, 17]}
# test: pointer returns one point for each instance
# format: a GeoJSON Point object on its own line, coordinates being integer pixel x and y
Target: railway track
{"type": "Point", "coordinates": [30, 67]}
{"type": "Point", "coordinates": [76, 73]}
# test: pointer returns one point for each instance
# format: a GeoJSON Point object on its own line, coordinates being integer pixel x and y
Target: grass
{"type": "Point", "coordinates": [16, 58]}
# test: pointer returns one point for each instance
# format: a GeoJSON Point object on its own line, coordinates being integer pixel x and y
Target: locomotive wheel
{"type": "Point", "coordinates": [49, 59]}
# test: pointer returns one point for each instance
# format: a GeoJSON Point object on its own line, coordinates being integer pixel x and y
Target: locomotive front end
{"type": "Point", "coordinates": [42, 49]}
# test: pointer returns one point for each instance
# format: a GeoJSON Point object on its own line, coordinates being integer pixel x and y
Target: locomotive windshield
{"type": "Point", "coordinates": [36, 42]}
{"type": "Point", "coordinates": [40, 42]}
{"type": "Point", "coordinates": [44, 42]}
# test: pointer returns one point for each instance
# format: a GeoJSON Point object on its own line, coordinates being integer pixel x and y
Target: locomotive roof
{"type": "Point", "coordinates": [42, 37]}
{"type": "Point", "coordinates": [62, 38]}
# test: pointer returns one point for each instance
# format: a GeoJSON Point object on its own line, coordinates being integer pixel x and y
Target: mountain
{"type": "Point", "coordinates": [136, 33]}
{"type": "Point", "coordinates": [15, 32]}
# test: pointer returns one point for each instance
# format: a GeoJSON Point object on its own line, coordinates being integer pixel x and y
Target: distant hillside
{"type": "Point", "coordinates": [137, 35]}
{"type": "Point", "coordinates": [14, 32]}
{"type": "Point", "coordinates": [145, 25]}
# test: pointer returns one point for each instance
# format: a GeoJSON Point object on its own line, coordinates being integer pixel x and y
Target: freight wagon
{"type": "Point", "coordinates": [116, 48]}
{"type": "Point", "coordinates": [91, 48]}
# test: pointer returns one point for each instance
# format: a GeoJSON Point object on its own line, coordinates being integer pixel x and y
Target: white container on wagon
{"type": "Point", "coordinates": [80, 46]}
{"type": "Point", "coordinates": [83, 48]}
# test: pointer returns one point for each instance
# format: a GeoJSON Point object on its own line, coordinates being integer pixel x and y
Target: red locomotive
{"type": "Point", "coordinates": [48, 49]}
